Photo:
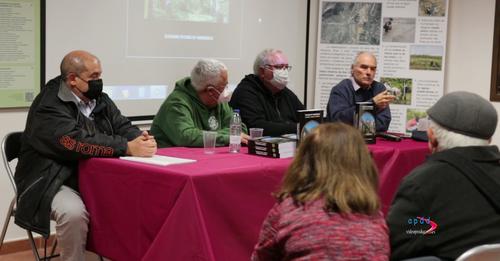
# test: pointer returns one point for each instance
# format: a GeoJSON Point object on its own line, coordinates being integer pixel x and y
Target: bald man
{"type": "Point", "coordinates": [361, 87]}
{"type": "Point", "coordinates": [71, 119]}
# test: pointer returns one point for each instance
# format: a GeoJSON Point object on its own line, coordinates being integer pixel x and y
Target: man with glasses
{"type": "Point", "coordinates": [263, 98]}
{"type": "Point", "coordinates": [71, 119]}
{"type": "Point", "coordinates": [197, 103]}
{"type": "Point", "coordinates": [361, 87]}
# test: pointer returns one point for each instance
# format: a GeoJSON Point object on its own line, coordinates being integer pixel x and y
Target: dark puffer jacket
{"type": "Point", "coordinates": [56, 136]}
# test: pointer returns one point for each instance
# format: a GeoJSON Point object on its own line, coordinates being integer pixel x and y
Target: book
{"type": "Point", "coordinates": [276, 147]}
{"type": "Point", "coordinates": [364, 120]}
{"type": "Point", "coordinates": [272, 154]}
{"type": "Point", "coordinates": [307, 121]}
{"type": "Point", "coordinates": [158, 160]}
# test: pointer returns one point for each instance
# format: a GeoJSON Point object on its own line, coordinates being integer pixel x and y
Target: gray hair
{"type": "Point", "coordinates": [355, 61]}
{"type": "Point", "coordinates": [448, 139]}
{"type": "Point", "coordinates": [263, 59]}
{"type": "Point", "coordinates": [206, 72]}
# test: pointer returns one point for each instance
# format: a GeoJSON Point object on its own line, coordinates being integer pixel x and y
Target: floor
{"type": "Point", "coordinates": [28, 256]}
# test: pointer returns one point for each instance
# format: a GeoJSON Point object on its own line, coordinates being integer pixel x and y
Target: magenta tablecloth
{"type": "Point", "coordinates": [209, 210]}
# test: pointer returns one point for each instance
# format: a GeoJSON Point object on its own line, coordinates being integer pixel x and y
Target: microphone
{"type": "Point", "coordinates": [388, 136]}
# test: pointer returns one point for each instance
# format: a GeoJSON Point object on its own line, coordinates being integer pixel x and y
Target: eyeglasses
{"type": "Point", "coordinates": [278, 66]}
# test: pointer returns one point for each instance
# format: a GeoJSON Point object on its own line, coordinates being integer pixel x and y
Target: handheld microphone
{"type": "Point", "coordinates": [388, 136]}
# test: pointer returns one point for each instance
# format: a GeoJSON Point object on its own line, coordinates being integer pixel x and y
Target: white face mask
{"type": "Point", "coordinates": [225, 96]}
{"type": "Point", "coordinates": [280, 78]}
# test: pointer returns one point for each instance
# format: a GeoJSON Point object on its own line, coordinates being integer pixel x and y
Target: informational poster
{"type": "Point", "coordinates": [408, 37]}
{"type": "Point", "coordinates": [20, 52]}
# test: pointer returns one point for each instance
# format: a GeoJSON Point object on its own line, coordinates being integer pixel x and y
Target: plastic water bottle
{"type": "Point", "coordinates": [235, 132]}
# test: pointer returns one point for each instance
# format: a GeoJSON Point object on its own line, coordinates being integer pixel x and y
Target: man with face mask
{"type": "Point", "coordinates": [264, 100]}
{"type": "Point", "coordinates": [197, 103]}
{"type": "Point", "coordinates": [71, 119]}
{"type": "Point", "coordinates": [361, 87]}
{"type": "Point", "coordinates": [451, 203]}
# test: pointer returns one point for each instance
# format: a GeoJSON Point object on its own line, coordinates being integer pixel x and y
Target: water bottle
{"type": "Point", "coordinates": [235, 132]}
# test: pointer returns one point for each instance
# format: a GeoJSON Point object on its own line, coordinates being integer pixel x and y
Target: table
{"type": "Point", "coordinates": [209, 210]}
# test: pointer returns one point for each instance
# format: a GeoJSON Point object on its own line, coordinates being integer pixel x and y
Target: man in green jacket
{"type": "Point", "coordinates": [198, 103]}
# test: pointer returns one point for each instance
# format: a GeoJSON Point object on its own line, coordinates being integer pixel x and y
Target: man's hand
{"type": "Point", "coordinates": [383, 99]}
{"type": "Point", "coordinates": [244, 138]}
{"type": "Point", "coordinates": [142, 146]}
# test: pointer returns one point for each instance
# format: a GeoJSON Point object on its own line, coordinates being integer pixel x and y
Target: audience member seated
{"type": "Point", "coordinates": [263, 98]}
{"type": "Point", "coordinates": [451, 202]}
{"type": "Point", "coordinates": [361, 87]}
{"type": "Point", "coordinates": [71, 119]}
{"type": "Point", "coordinates": [328, 207]}
{"type": "Point", "coordinates": [198, 103]}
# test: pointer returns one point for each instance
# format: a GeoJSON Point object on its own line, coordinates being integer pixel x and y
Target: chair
{"type": "Point", "coordinates": [488, 252]}
{"type": "Point", "coordinates": [11, 146]}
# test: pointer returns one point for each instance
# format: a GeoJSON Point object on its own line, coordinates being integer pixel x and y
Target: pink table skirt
{"type": "Point", "coordinates": [209, 210]}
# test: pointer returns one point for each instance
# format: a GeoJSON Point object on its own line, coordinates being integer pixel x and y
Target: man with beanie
{"type": "Point", "coordinates": [451, 203]}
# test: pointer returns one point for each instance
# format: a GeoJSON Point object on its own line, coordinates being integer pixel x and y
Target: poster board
{"type": "Point", "coordinates": [407, 37]}
{"type": "Point", "coordinates": [21, 51]}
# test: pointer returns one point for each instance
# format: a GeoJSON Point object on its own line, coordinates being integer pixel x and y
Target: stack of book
{"type": "Point", "coordinates": [276, 147]}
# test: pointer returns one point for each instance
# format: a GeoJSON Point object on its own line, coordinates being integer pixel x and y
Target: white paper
{"type": "Point", "coordinates": [159, 160]}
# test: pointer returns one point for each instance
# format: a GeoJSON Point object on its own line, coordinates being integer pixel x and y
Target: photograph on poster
{"type": "Point", "coordinates": [426, 57]}
{"type": "Point", "coordinates": [351, 23]}
{"type": "Point", "coordinates": [399, 30]}
{"type": "Point", "coordinates": [416, 119]}
{"type": "Point", "coordinates": [432, 8]}
{"type": "Point", "coordinates": [399, 87]}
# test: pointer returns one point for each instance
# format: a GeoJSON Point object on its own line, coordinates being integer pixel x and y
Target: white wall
{"type": "Point", "coordinates": [470, 48]}
{"type": "Point", "coordinates": [468, 67]}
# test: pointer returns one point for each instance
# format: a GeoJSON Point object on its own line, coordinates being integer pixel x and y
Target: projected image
{"type": "Point", "coordinates": [184, 29]}
{"type": "Point", "coordinates": [211, 11]}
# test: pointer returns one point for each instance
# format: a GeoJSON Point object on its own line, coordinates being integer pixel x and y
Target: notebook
{"type": "Point", "coordinates": [159, 160]}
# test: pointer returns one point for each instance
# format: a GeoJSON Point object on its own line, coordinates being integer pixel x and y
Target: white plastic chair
{"type": "Point", "coordinates": [489, 252]}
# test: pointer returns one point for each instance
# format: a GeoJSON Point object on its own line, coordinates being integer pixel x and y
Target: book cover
{"type": "Point", "coordinates": [308, 120]}
{"type": "Point", "coordinates": [364, 120]}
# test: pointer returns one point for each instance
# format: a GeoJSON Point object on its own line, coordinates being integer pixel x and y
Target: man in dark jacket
{"type": "Point", "coordinates": [361, 87]}
{"type": "Point", "coordinates": [451, 203]}
{"type": "Point", "coordinates": [71, 119]}
{"type": "Point", "coordinates": [264, 100]}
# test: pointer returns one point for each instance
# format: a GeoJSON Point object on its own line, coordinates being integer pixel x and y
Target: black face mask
{"type": "Point", "coordinates": [95, 89]}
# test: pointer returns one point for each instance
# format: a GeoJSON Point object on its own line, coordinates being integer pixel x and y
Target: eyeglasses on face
{"type": "Point", "coordinates": [278, 66]}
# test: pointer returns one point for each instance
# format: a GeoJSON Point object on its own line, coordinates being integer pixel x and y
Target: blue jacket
{"type": "Point", "coordinates": [342, 103]}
